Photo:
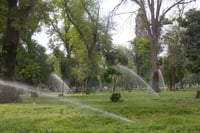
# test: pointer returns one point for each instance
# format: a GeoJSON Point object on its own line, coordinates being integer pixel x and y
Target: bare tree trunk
{"type": "Point", "coordinates": [9, 51]}
{"type": "Point", "coordinates": [10, 43]}
{"type": "Point", "coordinates": [154, 67]}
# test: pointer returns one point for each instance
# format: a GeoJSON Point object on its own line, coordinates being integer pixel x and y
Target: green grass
{"type": "Point", "coordinates": [173, 112]}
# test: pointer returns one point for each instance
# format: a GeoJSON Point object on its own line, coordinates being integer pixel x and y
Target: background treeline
{"type": "Point", "coordinates": [80, 41]}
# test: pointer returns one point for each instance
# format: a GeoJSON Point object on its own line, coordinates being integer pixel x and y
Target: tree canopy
{"type": "Point", "coordinates": [191, 39]}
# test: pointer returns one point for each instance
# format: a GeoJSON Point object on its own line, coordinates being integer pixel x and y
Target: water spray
{"type": "Point", "coordinates": [129, 71]}
{"type": "Point", "coordinates": [20, 86]}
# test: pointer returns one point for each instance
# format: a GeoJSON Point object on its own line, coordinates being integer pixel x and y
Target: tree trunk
{"type": "Point", "coordinates": [173, 78]}
{"type": "Point", "coordinates": [10, 43]}
{"type": "Point", "coordinates": [198, 94]}
{"type": "Point", "coordinates": [114, 84]}
{"type": "Point", "coordinates": [154, 66]}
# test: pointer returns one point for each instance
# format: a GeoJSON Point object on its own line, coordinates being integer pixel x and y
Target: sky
{"type": "Point", "coordinates": [124, 28]}
{"type": "Point", "coordinates": [124, 23]}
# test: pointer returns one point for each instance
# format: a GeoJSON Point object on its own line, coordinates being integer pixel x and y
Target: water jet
{"type": "Point", "coordinates": [29, 88]}
{"type": "Point", "coordinates": [133, 74]}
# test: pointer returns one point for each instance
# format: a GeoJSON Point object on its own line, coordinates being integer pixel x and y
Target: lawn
{"type": "Point", "coordinates": [173, 112]}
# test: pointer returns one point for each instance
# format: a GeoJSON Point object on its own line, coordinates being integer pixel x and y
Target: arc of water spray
{"type": "Point", "coordinates": [26, 87]}
{"type": "Point", "coordinates": [97, 110]}
{"type": "Point", "coordinates": [161, 78]}
{"type": "Point", "coordinates": [123, 68]}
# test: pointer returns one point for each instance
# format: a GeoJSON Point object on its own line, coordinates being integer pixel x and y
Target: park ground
{"type": "Point", "coordinates": [173, 112]}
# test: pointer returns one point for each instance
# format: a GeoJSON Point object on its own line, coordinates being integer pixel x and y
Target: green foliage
{"type": "Point", "coordinates": [191, 79]}
{"type": "Point", "coordinates": [3, 21]}
{"type": "Point", "coordinates": [174, 64]}
{"type": "Point", "coordinates": [85, 18]}
{"type": "Point", "coordinates": [64, 67]}
{"type": "Point", "coordinates": [32, 66]}
{"type": "Point", "coordinates": [109, 75]}
{"type": "Point", "coordinates": [191, 39]}
{"type": "Point", "coordinates": [19, 21]}
{"type": "Point", "coordinates": [56, 65]}
{"type": "Point", "coordinates": [116, 55]}
{"type": "Point", "coordinates": [56, 58]}
{"type": "Point", "coordinates": [79, 62]}
{"type": "Point", "coordinates": [77, 26]}
{"type": "Point", "coordinates": [115, 97]}
{"type": "Point", "coordinates": [31, 71]}
{"type": "Point", "coordinates": [166, 21]}
{"type": "Point", "coordinates": [141, 47]}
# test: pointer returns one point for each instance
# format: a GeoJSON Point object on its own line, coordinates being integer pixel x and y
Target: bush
{"type": "Point", "coordinates": [115, 97]}
{"type": "Point", "coordinates": [9, 94]}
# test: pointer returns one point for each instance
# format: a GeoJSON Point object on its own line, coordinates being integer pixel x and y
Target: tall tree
{"type": "Point", "coordinates": [60, 29]}
{"type": "Point", "coordinates": [191, 39]}
{"type": "Point", "coordinates": [154, 17]}
{"type": "Point", "coordinates": [85, 17]}
{"type": "Point", "coordinates": [175, 62]}
{"type": "Point", "coordinates": [17, 15]}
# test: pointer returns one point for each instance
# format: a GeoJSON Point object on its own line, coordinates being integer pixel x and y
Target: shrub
{"type": "Point", "coordinates": [115, 97]}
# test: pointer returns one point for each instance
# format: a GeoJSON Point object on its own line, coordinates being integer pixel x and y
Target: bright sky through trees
{"type": "Point", "coordinates": [124, 28]}
{"type": "Point", "coordinates": [124, 21]}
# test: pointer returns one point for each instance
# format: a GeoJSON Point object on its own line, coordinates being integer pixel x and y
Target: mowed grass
{"type": "Point", "coordinates": [173, 112]}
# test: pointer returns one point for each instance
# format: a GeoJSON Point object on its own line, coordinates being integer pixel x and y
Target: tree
{"type": "Point", "coordinates": [60, 31]}
{"type": "Point", "coordinates": [191, 39]}
{"type": "Point", "coordinates": [85, 17]}
{"type": "Point", "coordinates": [20, 19]}
{"type": "Point", "coordinates": [190, 42]}
{"type": "Point", "coordinates": [16, 18]}
{"type": "Point", "coordinates": [110, 76]}
{"type": "Point", "coordinates": [31, 64]}
{"type": "Point", "coordinates": [78, 61]}
{"type": "Point", "coordinates": [174, 63]}
{"type": "Point", "coordinates": [154, 19]}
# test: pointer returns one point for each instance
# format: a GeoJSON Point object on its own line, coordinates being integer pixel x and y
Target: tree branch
{"type": "Point", "coordinates": [177, 3]}
{"type": "Point", "coordinates": [159, 3]}
{"type": "Point", "coordinates": [116, 7]}
{"type": "Point", "coordinates": [131, 12]}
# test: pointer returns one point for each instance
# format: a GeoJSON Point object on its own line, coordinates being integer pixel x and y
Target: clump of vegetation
{"type": "Point", "coordinates": [115, 97]}
{"type": "Point", "coordinates": [109, 76]}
